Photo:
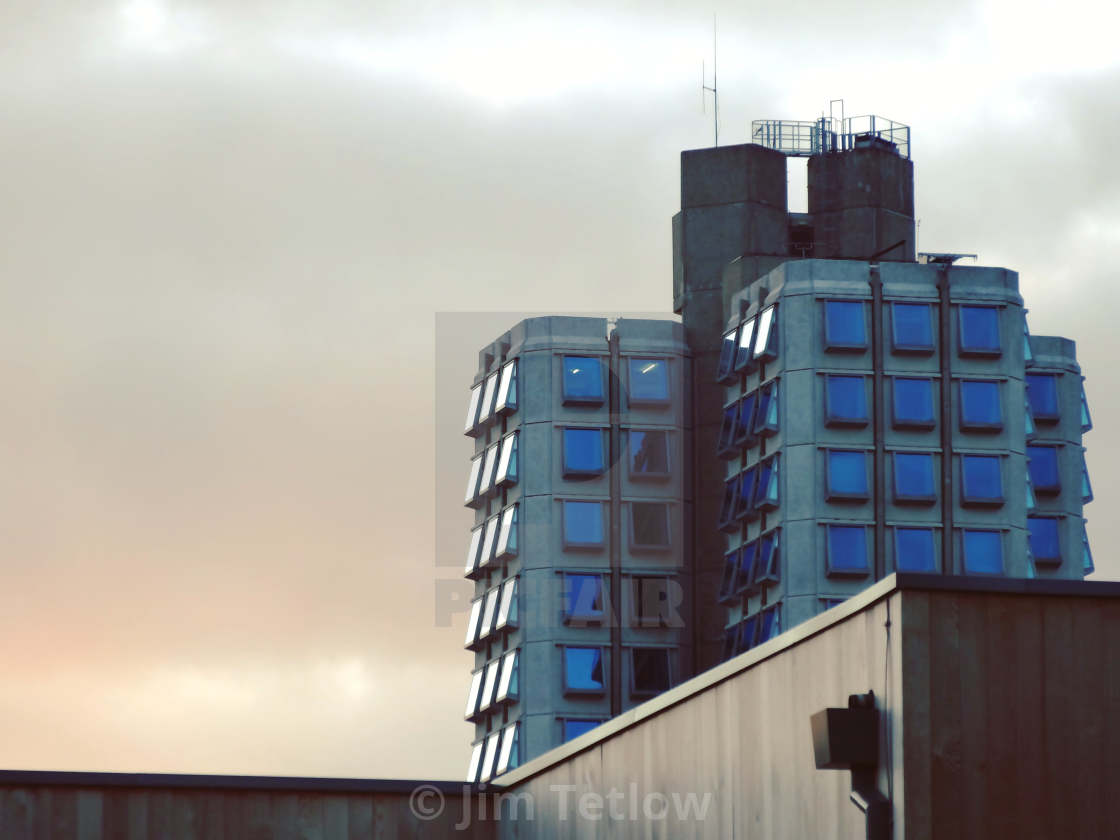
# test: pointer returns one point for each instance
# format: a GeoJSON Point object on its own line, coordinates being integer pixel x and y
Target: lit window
{"type": "Point", "coordinates": [1086, 419]}
{"type": "Point", "coordinates": [1046, 547]}
{"type": "Point", "coordinates": [583, 380]}
{"type": "Point", "coordinates": [507, 606]}
{"type": "Point", "coordinates": [979, 327]}
{"type": "Point", "coordinates": [1042, 463]}
{"type": "Point", "coordinates": [766, 339]}
{"type": "Point", "coordinates": [470, 428]}
{"type": "Point", "coordinates": [1086, 487]}
{"type": "Point", "coordinates": [747, 555]}
{"type": "Point", "coordinates": [766, 415]}
{"type": "Point", "coordinates": [727, 431]}
{"type": "Point", "coordinates": [1042, 395]}
{"type": "Point", "coordinates": [649, 453]}
{"type": "Point", "coordinates": [507, 389]}
{"type": "Point", "coordinates": [507, 533]}
{"type": "Point", "coordinates": [472, 479]}
{"type": "Point", "coordinates": [489, 468]}
{"type": "Point", "coordinates": [981, 480]}
{"type": "Point", "coordinates": [649, 671]}
{"type": "Point", "coordinates": [980, 405]}
{"type": "Point", "coordinates": [730, 568]}
{"type": "Point", "coordinates": [583, 598]}
{"type": "Point", "coordinates": [1087, 565]}
{"type": "Point", "coordinates": [743, 436]}
{"type": "Point", "coordinates": [913, 403]}
{"type": "Point", "coordinates": [507, 462]}
{"type": "Point", "coordinates": [486, 409]}
{"type": "Point", "coordinates": [845, 325]}
{"type": "Point", "coordinates": [746, 489]}
{"type": "Point", "coordinates": [912, 328]}
{"type": "Point", "coordinates": [507, 683]}
{"type": "Point", "coordinates": [913, 550]}
{"type": "Point", "coordinates": [743, 352]}
{"type": "Point", "coordinates": [983, 552]}
{"type": "Point", "coordinates": [847, 474]}
{"type": "Point", "coordinates": [472, 551]}
{"type": "Point", "coordinates": [490, 756]}
{"type": "Point", "coordinates": [649, 381]}
{"type": "Point", "coordinates": [727, 508]}
{"type": "Point", "coordinates": [509, 757]}
{"type": "Point", "coordinates": [913, 477]}
{"type": "Point", "coordinates": [769, 555]}
{"type": "Point", "coordinates": [766, 487]}
{"type": "Point", "coordinates": [574, 727]}
{"type": "Point", "coordinates": [489, 613]}
{"type": "Point", "coordinates": [583, 670]}
{"type": "Point", "coordinates": [489, 683]}
{"type": "Point", "coordinates": [847, 549]}
{"type": "Point", "coordinates": [472, 623]}
{"type": "Point", "coordinates": [747, 630]}
{"type": "Point", "coordinates": [769, 626]}
{"type": "Point", "coordinates": [472, 695]}
{"type": "Point", "coordinates": [476, 762]}
{"type": "Point", "coordinates": [845, 400]}
{"type": "Point", "coordinates": [583, 524]}
{"type": "Point", "coordinates": [490, 536]}
{"type": "Point", "coordinates": [727, 355]}
{"type": "Point", "coordinates": [649, 525]}
{"type": "Point", "coordinates": [655, 600]}
{"type": "Point", "coordinates": [583, 452]}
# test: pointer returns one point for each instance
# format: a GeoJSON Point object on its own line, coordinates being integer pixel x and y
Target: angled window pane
{"type": "Point", "coordinates": [727, 354]}
{"type": "Point", "coordinates": [847, 474]}
{"type": "Point", "coordinates": [913, 477]}
{"type": "Point", "coordinates": [983, 552]}
{"type": "Point", "coordinates": [649, 525]}
{"type": "Point", "coordinates": [980, 405]}
{"type": "Point", "coordinates": [489, 683]}
{"type": "Point", "coordinates": [507, 605]}
{"type": "Point", "coordinates": [1030, 500]}
{"type": "Point", "coordinates": [650, 670]}
{"type": "Point", "coordinates": [583, 597]}
{"type": "Point", "coordinates": [847, 549]}
{"type": "Point", "coordinates": [1042, 396]}
{"type": "Point", "coordinates": [730, 568]}
{"type": "Point", "coordinates": [1046, 546]}
{"type": "Point", "coordinates": [507, 683]}
{"type": "Point", "coordinates": [472, 479]}
{"type": "Point", "coordinates": [486, 410]}
{"type": "Point", "coordinates": [489, 537]}
{"type": "Point", "coordinates": [1028, 356]}
{"type": "Point", "coordinates": [1042, 463]}
{"type": "Point", "coordinates": [583, 524]}
{"type": "Point", "coordinates": [913, 550]}
{"type": "Point", "coordinates": [583, 379]}
{"type": "Point", "coordinates": [1086, 419]}
{"type": "Point", "coordinates": [747, 555]}
{"type": "Point", "coordinates": [1086, 487]}
{"type": "Point", "coordinates": [913, 403]}
{"type": "Point", "coordinates": [508, 758]}
{"type": "Point", "coordinates": [845, 400]}
{"type": "Point", "coordinates": [472, 550]}
{"type": "Point", "coordinates": [743, 434]}
{"type": "Point", "coordinates": [981, 479]}
{"type": "Point", "coordinates": [845, 326]}
{"type": "Point", "coordinates": [507, 533]}
{"type": "Point", "coordinates": [649, 453]}
{"type": "Point", "coordinates": [649, 381]}
{"type": "Point", "coordinates": [652, 605]}
{"type": "Point", "coordinates": [472, 694]}
{"type": "Point", "coordinates": [472, 622]}
{"type": "Point", "coordinates": [766, 566]}
{"type": "Point", "coordinates": [489, 468]}
{"type": "Point", "coordinates": [979, 330]}
{"type": "Point", "coordinates": [476, 762]}
{"type": "Point", "coordinates": [727, 508]}
{"type": "Point", "coordinates": [766, 487]}
{"type": "Point", "coordinates": [472, 408]}
{"type": "Point", "coordinates": [489, 611]}
{"type": "Point", "coordinates": [728, 429]}
{"type": "Point", "coordinates": [507, 389]}
{"type": "Point", "coordinates": [766, 340]}
{"type": "Point", "coordinates": [747, 631]}
{"type": "Point", "coordinates": [766, 414]}
{"type": "Point", "coordinates": [583, 669]}
{"type": "Point", "coordinates": [490, 756]}
{"type": "Point", "coordinates": [1087, 565]}
{"type": "Point", "coordinates": [1028, 421]}
{"type": "Point", "coordinates": [912, 327]}
{"type": "Point", "coordinates": [507, 461]}
{"type": "Point", "coordinates": [583, 452]}
{"type": "Point", "coordinates": [574, 727]}
{"type": "Point", "coordinates": [746, 338]}
{"type": "Point", "coordinates": [770, 625]}
{"type": "Point", "coordinates": [746, 490]}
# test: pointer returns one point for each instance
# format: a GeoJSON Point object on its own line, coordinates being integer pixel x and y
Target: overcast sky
{"type": "Point", "coordinates": [226, 230]}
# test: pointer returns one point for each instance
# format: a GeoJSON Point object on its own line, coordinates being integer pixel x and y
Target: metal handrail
{"type": "Point", "coordinates": [801, 138]}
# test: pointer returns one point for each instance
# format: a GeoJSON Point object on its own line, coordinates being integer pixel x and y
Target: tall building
{"type": "Point", "coordinates": [832, 408]}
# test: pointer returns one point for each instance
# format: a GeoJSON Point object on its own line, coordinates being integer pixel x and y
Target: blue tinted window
{"type": "Point", "coordinates": [1086, 487]}
{"type": "Point", "coordinates": [1042, 463]}
{"type": "Point", "coordinates": [746, 488]}
{"type": "Point", "coordinates": [913, 476]}
{"type": "Point", "coordinates": [766, 336]}
{"type": "Point", "coordinates": [913, 327]}
{"type": "Point", "coordinates": [649, 380]}
{"type": "Point", "coordinates": [980, 329]}
{"type": "Point", "coordinates": [981, 479]}
{"type": "Point", "coordinates": [980, 404]}
{"type": "Point", "coordinates": [847, 474]}
{"type": "Point", "coordinates": [583, 523]}
{"type": "Point", "coordinates": [1086, 419]}
{"type": "Point", "coordinates": [730, 569]}
{"type": "Point", "coordinates": [766, 415]}
{"type": "Point", "coordinates": [583, 451]}
{"type": "Point", "coordinates": [913, 402]}
{"type": "Point", "coordinates": [768, 557]}
{"type": "Point", "coordinates": [727, 353]}
{"type": "Point", "coordinates": [844, 325]}
{"type": "Point", "coordinates": [766, 487]}
{"type": "Point", "coordinates": [574, 727]}
{"type": "Point", "coordinates": [583, 598]}
{"type": "Point", "coordinates": [583, 669]}
{"type": "Point", "coordinates": [746, 416]}
{"type": "Point", "coordinates": [913, 550]}
{"type": "Point", "coordinates": [729, 427]}
{"type": "Point", "coordinates": [743, 354]}
{"type": "Point", "coordinates": [1042, 394]}
{"type": "Point", "coordinates": [747, 564]}
{"type": "Point", "coordinates": [583, 379]}
{"type": "Point", "coordinates": [770, 626]}
{"type": "Point", "coordinates": [730, 494]}
{"type": "Point", "coordinates": [1087, 565]}
{"type": "Point", "coordinates": [983, 552]}
{"type": "Point", "coordinates": [1045, 545]}
{"type": "Point", "coordinates": [846, 400]}
{"type": "Point", "coordinates": [746, 633]}
{"type": "Point", "coordinates": [847, 548]}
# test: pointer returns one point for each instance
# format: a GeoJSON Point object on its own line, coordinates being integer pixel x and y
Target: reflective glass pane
{"type": "Point", "coordinates": [507, 604]}
{"type": "Point", "coordinates": [508, 758]}
{"type": "Point", "coordinates": [1087, 565]}
{"type": "Point", "coordinates": [489, 611]}
{"type": "Point", "coordinates": [747, 555]}
{"type": "Point", "coordinates": [847, 473]}
{"type": "Point", "coordinates": [913, 402]}
{"type": "Point", "coordinates": [472, 622]}
{"type": "Point", "coordinates": [983, 552]}
{"type": "Point", "coordinates": [745, 418]}
{"type": "Point", "coordinates": [1086, 487]}
{"type": "Point", "coordinates": [768, 557]}
{"type": "Point", "coordinates": [583, 598]}
{"type": "Point", "coordinates": [476, 762]}
{"type": "Point", "coordinates": [913, 550]}
{"type": "Point", "coordinates": [489, 538]}
{"type": "Point", "coordinates": [1045, 544]}
{"type": "Point", "coordinates": [650, 522]}
{"type": "Point", "coordinates": [764, 343]}
{"type": "Point", "coordinates": [746, 633]}
{"type": "Point", "coordinates": [912, 325]}
{"type": "Point", "coordinates": [727, 353]}
{"type": "Point", "coordinates": [730, 494]}
{"type": "Point", "coordinates": [766, 487]}
{"type": "Point", "coordinates": [489, 468]}
{"type": "Point", "coordinates": [730, 426]}
{"type": "Point", "coordinates": [472, 694]}
{"type": "Point", "coordinates": [651, 670]}
{"type": "Point", "coordinates": [649, 380]}
{"type": "Point", "coordinates": [472, 407]}
{"type": "Point", "coordinates": [507, 462]}
{"type": "Point", "coordinates": [507, 684]}
{"type": "Point", "coordinates": [768, 629]}
{"type": "Point", "coordinates": [766, 415]}
{"type": "Point", "coordinates": [746, 488]}
{"type": "Point", "coordinates": [472, 480]}
{"type": "Point", "coordinates": [1042, 395]}
{"type": "Point", "coordinates": [487, 408]}
{"type": "Point", "coordinates": [982, 481]}
{"type": "Point", "coordinates": [583, 668]}
{"type": "Point", "coordinates": [980, 404]}
{"type": "Point", "coordinates": [1042, 463]}
{"type": "Point", "coordinates": [743, 354]}
{"type": "Point", "coordinates": [1086, 419]}
{"type": "Point", "coordinates": [472, 551]}
{"type": "Point", "coordinates": [583, 451]}
{"type": "Point", "coordinates": [847, 548]}
{"type": "Point", "coordinates": [574, 727]}
{"type": "Point", "coordinates": [583, 523]}
{"type": "Point", "coordinates": [649, 453]}
{"type": "Point", "coordinates": [913, 476]}
{"type": "Point", "coordinates": [844, 324]}
{"type": "Point", "coordinates": [507, 388]}
{"type": "Point", "coordinates": [583, 379]}
{"type": "Point", "coordinates": [846, 399]}
{"type": "Point", "coordinates": [490, 756]}
{"type": "Point", "coordinates": [730, 567]}
{"type": "Point", "coordinates": [980, 329]}
{"type": "Point", "coordinates": [1028, 421]}
{"type": "Point", "coordinates": [489, 683]}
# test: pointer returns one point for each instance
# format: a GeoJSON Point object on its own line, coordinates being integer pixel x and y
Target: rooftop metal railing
{"type": "Point", "coordinates": [800, 138]}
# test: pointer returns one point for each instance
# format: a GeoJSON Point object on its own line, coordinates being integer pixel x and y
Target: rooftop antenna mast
{"type": "Point", "coordinates": [704, 84]}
